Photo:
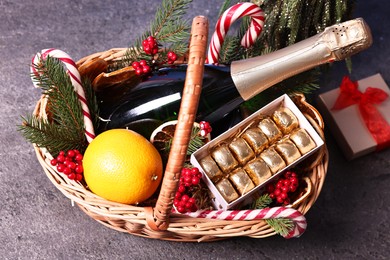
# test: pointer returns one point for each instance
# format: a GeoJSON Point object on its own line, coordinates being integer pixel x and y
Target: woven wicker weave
{"type": "Point", "coordinates": [158, 222]}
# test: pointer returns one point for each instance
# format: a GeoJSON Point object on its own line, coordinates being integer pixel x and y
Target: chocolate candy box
{"type": "Point", "coordinates": [238, 164]}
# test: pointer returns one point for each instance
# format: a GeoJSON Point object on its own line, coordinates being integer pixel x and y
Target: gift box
{"type": "Point", "coordinates": [358, 115]}
{"type": "Point", "coordinates": [225, 189]}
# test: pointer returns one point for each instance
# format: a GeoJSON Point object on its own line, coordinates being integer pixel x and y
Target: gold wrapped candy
{"type": "Point", "coordinates": [256, 139]}
{"type": "Point", "coordinates": [241, 150]}
{"type": "Point", "coordinates": [285, 119]}
{"type": "Point", "coordinates": [224, 158]}
{"type": "Point", "coordinates": [269, 128]}
{"type": "Point", "coordinates": [227, 191]}
{"type": "Point", "coordinates": [211, 168]}
{"type": "Point", "coordinates": [258, 171]}
{"type": "Point", "coordinates": [302, 140]}
{"type": "Point", "coordinates": [241, 181]}
{"type": "Point", "coordinates": [288, 151]}
{"type": "Point", "coordinates": [274, 161]}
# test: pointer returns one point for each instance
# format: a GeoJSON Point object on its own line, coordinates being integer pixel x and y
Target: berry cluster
{"type": "Point", "coordinates": [205, 128]}
{"type": "Point", "coordinates": [141, 67]}
{"type": "Point", "coordinates": [70, 163]}
{"type": "Point", "coordinates": [284, 186]}
{"type": "Point", "coordinates": [184, 202]}
{"type": "Point", "coordinates": [150, 45]}
{"type": "Point", "coordinates": [172, 57]}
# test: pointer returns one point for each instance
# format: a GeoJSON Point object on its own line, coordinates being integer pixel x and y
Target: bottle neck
{"type": "Point", "coordinates": [252, 76]}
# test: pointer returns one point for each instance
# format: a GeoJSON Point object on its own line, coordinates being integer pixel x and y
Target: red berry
{"type": "Point", "coordinates": [188, 205]}
{"type": "Point", "coordinates": [194, 171]}
{"type": "Point", "coordinates": [61, 158]}
{"type": "Point", "coordinates": [78, 157]}
{"type": "Point", "coordinates": [272, 196]}
{"type": "Point", "coordinates": [71, 165]}
{"type": "Point", "coordinates": [279, 199]}
{"type": "Point", "coordinates": [192, 200]}
{"type": "Point", "coordinates": [67, 170]}
{"type": "Point", "coordinates": [286, 182]}
{"type": "Point", "coordinates": [62, 153]}
{"type": "Point", "coordinates": [135, 64]}
{"type": "Point", "coordinates": [279, 185]}
{"type": "Point", "coordinates": [138, 71]}
{"type": "Point", "coordinates": [283, 195]}
{"type": "Point", "coordinates": [151, 39]}
{"type": "Point", "coordinates": [145, 69]}
{"type": "Point", "coordinates": [285, 189]}
{"type": "Point", "coordinates": [79, 177]}
{"type": "Point", "coordinates": [277, 192]}
{"type": "Point", "coordinates": [79, 169]}
{"type": "Point", "coordinates": [71, 176]}
{"type": "Point", "coordinates": [294, 181]}
{"type": "Point", "coordinates": [195, 180]}
{"type": "Point", "coordinates": [181, 189]}
{"type": "Point", "coordinates": [177, 195]}
{"type": "Point", "coordinates": [176, 202]}
{"type": "Point", "coordinates": [53, 162]}
{"type": "Point", "coordinates": [145, 43]}
{"type": "Point", "coordinates": [71, 153]}
{"type": "Point", "coordinates": [185, 198]}
{"type": "Point", "coordinates": [181, 209]}
{"type": "Point", "coordinates": [143, 63]}
{"type": "Point", "coordinates": [60, 167]}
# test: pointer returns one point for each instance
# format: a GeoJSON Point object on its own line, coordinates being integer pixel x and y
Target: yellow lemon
{"type": "Point", "coordinates": [122, 166]}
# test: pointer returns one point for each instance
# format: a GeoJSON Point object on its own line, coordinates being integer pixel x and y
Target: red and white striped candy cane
{"type": "Point", "coordinates": [227, 19]}
{"type": "Point", "coordinates": [299, 220]}
{"type": "Point", "coordinates": [76, 82]}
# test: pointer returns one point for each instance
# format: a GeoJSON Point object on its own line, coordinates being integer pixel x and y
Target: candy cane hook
{"type": "Point", "coordinates": [235, 12]}
{"type": "Point", "coordinates": [76, 82]}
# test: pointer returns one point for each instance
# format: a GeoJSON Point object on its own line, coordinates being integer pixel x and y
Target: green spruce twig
{"type": "Point", "coordinates": [64, 130]}
{"type": "Point", "coordinates": [168, 27]}
{"type": "Point", "coordinates": [282, 226]}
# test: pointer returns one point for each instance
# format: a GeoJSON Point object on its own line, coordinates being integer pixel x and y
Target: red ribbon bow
{"type": "Point", "coordinates": [376, 124]}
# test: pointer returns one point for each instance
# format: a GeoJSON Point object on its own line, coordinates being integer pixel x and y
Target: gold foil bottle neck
{"type": "Point", "coordinates": [337, 42]}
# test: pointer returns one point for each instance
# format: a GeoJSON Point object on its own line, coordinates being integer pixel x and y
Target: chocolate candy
{"type": "Point", "coordinates": [241, 181]}
{"type": "Point", "coordinates": [211, 168]}
{"type": "Point", "coordinates": [302, 140]}
{"type": "Point", "coordinates": [288, 151]}
{"type": "Point", "coordinates": [256, 139]}
{"type": "Point", "coordinates": [241, 150]}
{"type": "Point", "coordinates": [285, 119]}
{"type": "Point", "coordinates": [269, 128]}
{"type": "Point", "coordinates": [273, 160]}
{"type": "Point", "coordinates": [258, 171]}
{"type": "Point", "coordinates": [227, 191]}
{"type": "Point", "coordinates": [224, 158]}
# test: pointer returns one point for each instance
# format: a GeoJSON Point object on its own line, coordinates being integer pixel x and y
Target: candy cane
{"type": "Point", "coordinates": [227, 19]}
{"type": "Point", "coordinates": [75, 79]}
{"type": "Point", "coordinates": [299, 220]}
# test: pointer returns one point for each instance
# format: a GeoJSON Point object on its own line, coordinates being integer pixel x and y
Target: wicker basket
{"type": "Point", "coordinates": [159, 222]}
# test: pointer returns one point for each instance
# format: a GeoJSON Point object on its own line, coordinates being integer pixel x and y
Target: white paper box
{"type": "Point", "coordinates": [219, 202]}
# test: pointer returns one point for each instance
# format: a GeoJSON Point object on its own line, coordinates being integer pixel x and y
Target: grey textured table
{"type": "Point", "coordinates": [349, 220]}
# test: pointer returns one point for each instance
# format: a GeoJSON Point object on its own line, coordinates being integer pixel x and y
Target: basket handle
{"type": "Point", "coordinates": [186, 118]}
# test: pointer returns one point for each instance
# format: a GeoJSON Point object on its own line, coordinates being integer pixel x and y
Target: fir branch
{"type": "Point", "coordinates": [282, 226]}
{"type": "Point", "coordinates": [167, 27]}
{"type": "Point", "coordinates": [53, 137]}
{"type": "Point", "coordinates": [65, 128]}
{"type": "Point", "coordinates": [196, 141]}
{"type": "Point", "coordinates": [262, 202]}
{"type": "Point", "coordinates": [170, 13]}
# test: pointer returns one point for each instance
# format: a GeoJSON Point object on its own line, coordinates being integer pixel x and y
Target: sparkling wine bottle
{"type": "Point", "coordinates": [224, 88]}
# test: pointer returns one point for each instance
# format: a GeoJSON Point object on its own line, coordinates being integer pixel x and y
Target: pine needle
{"type": "Point", "coordinates": [65, 130]}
